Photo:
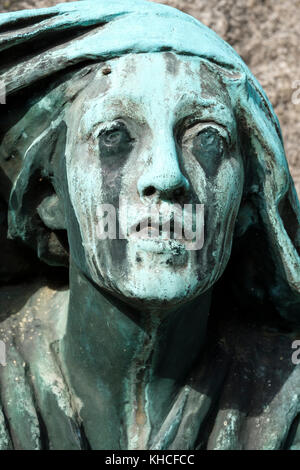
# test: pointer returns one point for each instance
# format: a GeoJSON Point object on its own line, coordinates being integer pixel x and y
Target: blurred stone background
{"type": "Point", "coordinates": [266, 33]}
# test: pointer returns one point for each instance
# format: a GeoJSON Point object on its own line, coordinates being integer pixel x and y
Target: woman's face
{"type": "Point", "coordinates": [152, 131]}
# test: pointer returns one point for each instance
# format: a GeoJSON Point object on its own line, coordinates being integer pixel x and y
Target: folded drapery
{"type": "Point", "coordinates": [37, 44]}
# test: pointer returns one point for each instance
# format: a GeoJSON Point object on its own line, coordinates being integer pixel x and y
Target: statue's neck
{"type": "Point", "coordinates": [126, 366]}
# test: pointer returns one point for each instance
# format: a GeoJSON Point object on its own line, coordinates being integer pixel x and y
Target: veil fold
{"type": "Point", "coordinates": [37, 44]}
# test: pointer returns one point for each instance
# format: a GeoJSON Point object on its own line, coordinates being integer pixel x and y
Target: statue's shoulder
{"type": "Point", "coordinates": [259, 401]}
{"type": "Point", "coordinates": [36, 410]}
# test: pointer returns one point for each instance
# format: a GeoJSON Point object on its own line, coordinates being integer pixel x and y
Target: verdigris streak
{"type": "Point", "coordinates": [130, 343]}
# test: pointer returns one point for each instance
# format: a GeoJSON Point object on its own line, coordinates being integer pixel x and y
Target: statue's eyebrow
{"type": "Point", "coordinates": [202, 110]}
{"type": "Point", "coordinates": [109, 108]}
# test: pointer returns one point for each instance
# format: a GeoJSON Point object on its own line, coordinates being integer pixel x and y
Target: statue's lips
{"type": "Point", "coordinates": [160, 246]}
{"type": "Point", "coordinates": [163, 232]}
{"type": "Point", "coordinates": [153, 240]}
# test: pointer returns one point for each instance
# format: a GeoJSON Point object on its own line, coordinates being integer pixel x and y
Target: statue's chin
{"type": "Point", "coordinates": [159, 275]}
{"type": "Point", "coordinates": [161, 288]}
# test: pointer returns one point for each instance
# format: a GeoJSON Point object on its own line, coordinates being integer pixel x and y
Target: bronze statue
{"type": "Point", "coordinates": [121, 342]}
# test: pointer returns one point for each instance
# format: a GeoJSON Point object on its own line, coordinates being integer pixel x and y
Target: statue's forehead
{"type": "Point", "coordinates": [155, 84]}
{"type": "Point", "coordinates": [144, 73]}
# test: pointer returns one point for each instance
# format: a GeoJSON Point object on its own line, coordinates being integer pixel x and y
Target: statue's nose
{"type": "Point", "coordinates": [163, 179]}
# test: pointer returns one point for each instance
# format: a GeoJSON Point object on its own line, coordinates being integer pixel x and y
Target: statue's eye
{"type": "Point", "coordinates": [115, 141]}
{"type": "Point", "coordinates": [208, 143]}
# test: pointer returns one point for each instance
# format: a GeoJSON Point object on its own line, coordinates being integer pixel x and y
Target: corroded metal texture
{"type": "Point", "coordinates": [153, 345]}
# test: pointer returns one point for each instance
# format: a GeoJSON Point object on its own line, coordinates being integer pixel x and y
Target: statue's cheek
{"type": "Point", "coordinates": [210, 164]}
{"type": "Point", "coordinates": [111, 182]}
{"type": "Point", "coordinates": [223, 197]}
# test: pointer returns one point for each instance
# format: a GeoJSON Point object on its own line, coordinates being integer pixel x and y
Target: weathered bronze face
{"type": "Point", "coordinates": [153, 129]}
{"type": "Point", "coordinates": [134, 104]}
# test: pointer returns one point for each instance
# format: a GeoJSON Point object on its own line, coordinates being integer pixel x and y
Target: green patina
{"type": "Point", "coordinates": [150, 345]}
